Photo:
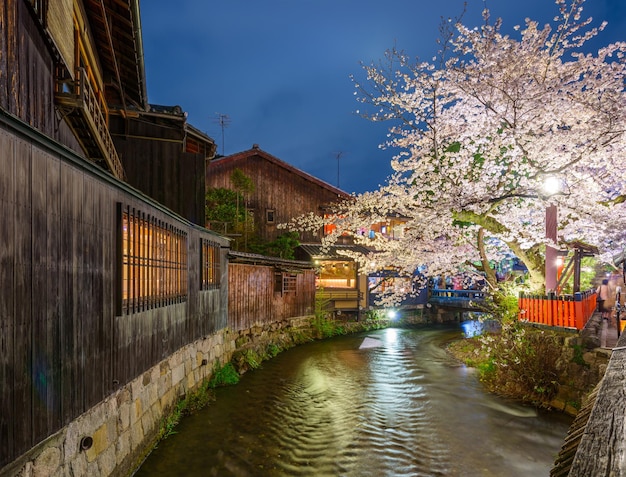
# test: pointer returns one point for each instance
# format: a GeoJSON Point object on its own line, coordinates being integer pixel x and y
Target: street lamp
{"type": "Point", "coordinates": [551, 186]}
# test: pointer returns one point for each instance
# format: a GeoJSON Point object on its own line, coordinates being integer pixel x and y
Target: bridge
{"type": "Point", "coordinates": [449, 298]}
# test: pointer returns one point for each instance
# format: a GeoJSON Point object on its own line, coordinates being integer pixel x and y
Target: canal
{"type": "Point", "coordinates": [384, 403]}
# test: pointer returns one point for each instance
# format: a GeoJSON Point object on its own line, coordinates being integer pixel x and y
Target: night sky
{"type": "Point", "coordinates": [279, 71]}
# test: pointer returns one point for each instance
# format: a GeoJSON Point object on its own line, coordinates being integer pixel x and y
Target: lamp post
{"type": "Point", "coordinates": [551, 186]}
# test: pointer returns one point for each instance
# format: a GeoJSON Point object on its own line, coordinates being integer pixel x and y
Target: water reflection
{"type": "Point", "coordinates": [402, 408]}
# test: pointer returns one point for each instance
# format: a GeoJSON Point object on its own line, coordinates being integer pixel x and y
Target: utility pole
{"type": "Point", "coordinates": [224, 121]}
{"type": "Point", "coordinates": [338, 156]}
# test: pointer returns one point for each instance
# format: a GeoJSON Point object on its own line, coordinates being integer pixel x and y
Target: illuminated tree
{"type": "Point", "coordinates": [479, 131]}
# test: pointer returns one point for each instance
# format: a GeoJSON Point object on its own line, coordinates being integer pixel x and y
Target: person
{"type": "Point", "coordinates": [618, 309]}
{"type": "Point", "coordinates": [603, 296]}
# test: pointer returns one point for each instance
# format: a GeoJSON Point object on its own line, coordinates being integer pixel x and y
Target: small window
{"type": "Point", "coordinates": [209, 264]}
{"type": "Point", "coordinates": [270, 216]}
{"type": "Point", "coordinates": [285, 283]}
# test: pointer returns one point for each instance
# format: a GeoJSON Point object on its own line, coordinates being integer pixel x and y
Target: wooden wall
{"type": "Point", "coordinates": [151, 151]}
{"type": "Point", "coordinates": [63, 348]}
{"type": "Point", "coordinates": [27, 74]}
{"type": "Point", "coordinates": [277, 188]}
{"type": "Point", "coordinates": [252, 299]}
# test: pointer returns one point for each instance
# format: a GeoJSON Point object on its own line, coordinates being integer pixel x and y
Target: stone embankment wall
{"type": "Point", "coordinates": [113, 437]}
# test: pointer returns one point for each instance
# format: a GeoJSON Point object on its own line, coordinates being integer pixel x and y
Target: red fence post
{"type": "Point", "coordinates": [579, 311]}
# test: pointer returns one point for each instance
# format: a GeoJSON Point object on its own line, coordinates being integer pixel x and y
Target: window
{"type": "Point", "coordinates": [269, 216]}
{"type": "Point", "coordinates": [209, 264]}
{"type": "Point", "coordinates": [285, 282]}
{"type": "Point", "coordinates": [336, 274]}
{"type": "Point", "coordinates": [154, 262]}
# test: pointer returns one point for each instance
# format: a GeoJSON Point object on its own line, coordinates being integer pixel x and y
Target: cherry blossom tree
{"type": "Point", "coordinates": [480, 129]}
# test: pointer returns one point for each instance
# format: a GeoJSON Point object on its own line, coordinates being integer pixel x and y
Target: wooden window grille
{"type": "Point", "coordinates": [286, 282]}
{"type": "Point", "coordinates": [154, 262]}
{"type": "Point", "coordinates": [209, 264]}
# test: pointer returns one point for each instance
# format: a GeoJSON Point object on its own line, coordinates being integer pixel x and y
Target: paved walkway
{"type": "Point", "coordinates": [608, 334]}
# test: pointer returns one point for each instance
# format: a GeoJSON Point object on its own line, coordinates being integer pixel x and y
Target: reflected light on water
{"type": "Point", "coordinates": [472, 328]}
{"type": "Point", "coordinates": [391, 335]}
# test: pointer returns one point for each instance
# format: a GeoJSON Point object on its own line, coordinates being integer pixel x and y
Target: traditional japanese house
{"type": "Point", "coordinates": [281, 191]}
{"type": "Point", "coordinates": [164, 156]}
{"type": "Point", "coordinates": [99, 282]}
{"type": "Point", "coordinates": [341, 286]}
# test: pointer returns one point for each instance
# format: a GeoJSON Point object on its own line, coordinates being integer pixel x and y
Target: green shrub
{"type": "Point", "coordinates": [224, 376]}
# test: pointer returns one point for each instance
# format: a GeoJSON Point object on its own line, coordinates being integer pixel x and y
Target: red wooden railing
{"type": "Point", "coordinates": [565, 311]}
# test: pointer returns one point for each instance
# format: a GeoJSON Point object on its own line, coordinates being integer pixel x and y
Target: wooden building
{"type": "Point", "coordinates": [264, 290]}
{"type": "Point", "coordinates": [98, 282]}
{"type": "Point", "coordinates": [164, 157]}
{"type": "Point", "coordinates": [74, 71]}
{"type": "Point", "coordinates": [281, 191]}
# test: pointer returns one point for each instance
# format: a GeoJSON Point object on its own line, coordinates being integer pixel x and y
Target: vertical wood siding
{"type": "Point", "coordinates": [253, 301]}
{"type": "Point", "coordinates": [63, 348]}
{"type": "Point", "coordinates": [27, 74]}
{"type": "Point", "coordinates": [288, 194]}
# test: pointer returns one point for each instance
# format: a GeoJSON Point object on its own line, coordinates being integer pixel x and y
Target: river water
{"type": "Point", "coordinates": [384, 403]}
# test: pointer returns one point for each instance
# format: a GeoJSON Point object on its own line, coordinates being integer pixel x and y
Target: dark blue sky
{"type": "Point", "coordinates": [280, 69]}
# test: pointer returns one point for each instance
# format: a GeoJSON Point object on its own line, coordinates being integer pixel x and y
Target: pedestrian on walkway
{"type": "Point", "coordinates": [603, 296]}
{"type": "Point", "coordinates": [618, 309]}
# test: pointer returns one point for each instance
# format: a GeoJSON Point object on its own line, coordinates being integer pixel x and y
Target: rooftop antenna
{"type": "Point", "coordinates": [224, 121]}
{"type": "Point", "coordinates": [338, 156]}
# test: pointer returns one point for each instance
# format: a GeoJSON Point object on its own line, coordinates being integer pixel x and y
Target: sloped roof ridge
{"type": "Point", "coordinates": [256, 150]}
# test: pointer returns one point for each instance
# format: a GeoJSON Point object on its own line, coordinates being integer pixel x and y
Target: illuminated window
{"type": "Point", "coordinates": [210, 264]}
{"type": "Point", "coordinates": [154, 262]}
{"type": "Point", "coordinates": [336, 274]}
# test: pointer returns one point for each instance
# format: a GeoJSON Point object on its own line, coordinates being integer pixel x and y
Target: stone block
{"type": "Point", "coordinates": [168, 399]}
{"type": "Point", "coordinates": [147, 422]}
{"type": "Point", "coordinates": [107, 461]}
{"type": "Point", "coordinates": [26, 471]}
{"type": "Point", "coordinates": [155, 372]}
{"type": "Point", "coordinates": [92, 469]}
{"type": "Point", "coordinates": [178, 373]}
{"type": "Point", "coordinates": [136, 435]}
{"type": "Point", "coordinates": [122, 447]}
{"type": "Point", "coordinates": [47, 463]}
{"type": "Point", "coordinates": [79, 465]}
{"type": "Point", "coordinates": [124, 417]}
{"type": "Point", "coordinates": [164, 383]}
{"type": "Point", "coordinates": [136, 387]}
{"type": "Point", "coordinates": [100, 443]}
{"type": "Point", "coordinates": [136, 412]}
{"type": "Point", "coordinates": [72, 440]}
{"type": "Point", "coordinates": [123, 396]}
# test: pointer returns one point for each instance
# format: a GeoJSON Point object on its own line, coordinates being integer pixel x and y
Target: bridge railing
{"type": "Point", "coordinates": [449, 296]}
{"type": "Point", "coordinates": [565, 311]}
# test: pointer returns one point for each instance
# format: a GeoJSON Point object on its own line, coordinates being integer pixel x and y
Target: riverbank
{"type": "Point", "coordinates": [544, 368]}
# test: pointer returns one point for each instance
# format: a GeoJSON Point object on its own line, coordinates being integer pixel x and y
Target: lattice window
{"type": "Point", "coordinates": [209, 264]}
{"type": "Point", "coordinates": [286, 282]}
{"type": "Point", "coordinates": [154, 262]}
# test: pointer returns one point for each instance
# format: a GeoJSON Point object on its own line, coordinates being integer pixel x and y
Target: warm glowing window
{"type": "Point", "coordinates": [154, 262]}
{"type": "Point", "coordinates": [337, 274]}
{"type": "Point", "coordinates": [210, 264]}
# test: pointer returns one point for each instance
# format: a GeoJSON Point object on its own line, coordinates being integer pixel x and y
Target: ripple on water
{"type": "Point", "coordinates": [332, 409]}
